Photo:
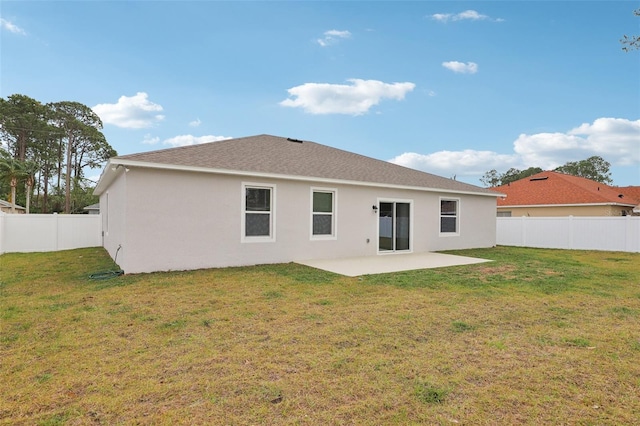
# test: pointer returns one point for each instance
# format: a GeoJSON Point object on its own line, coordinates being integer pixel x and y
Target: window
{"type": "Point", "coordinates": [504, 214]}
{"type": "Point", "coordinates": [258, 219]}
{"type": "Point", "coordinates": [322, 213]}
{"type": "Point", "coordinates": [449, 216]}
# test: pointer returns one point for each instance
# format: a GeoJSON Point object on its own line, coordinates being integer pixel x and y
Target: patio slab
{"type": "Point", "coordinates": [396, 262]}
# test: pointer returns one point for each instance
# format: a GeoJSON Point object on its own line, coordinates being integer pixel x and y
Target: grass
{"type": "Point", "coordinates": [535, 337]}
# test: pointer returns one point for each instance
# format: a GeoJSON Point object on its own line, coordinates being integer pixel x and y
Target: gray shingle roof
{"type": "Point", "coordinates": [267, 154]}
{"type": "Point", "coordinates": [7, 204]}
{"type": "Point", "coordinates": [95, 206]}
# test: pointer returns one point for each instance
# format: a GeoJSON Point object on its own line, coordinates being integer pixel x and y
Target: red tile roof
{"type": "Point", "coordinates": [553, 188]}
{"type": "Point", "coordinates": [631, 192]}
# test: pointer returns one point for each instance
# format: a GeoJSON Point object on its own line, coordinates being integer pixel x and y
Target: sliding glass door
{"type": "Point", "coordinates": [394, 226]}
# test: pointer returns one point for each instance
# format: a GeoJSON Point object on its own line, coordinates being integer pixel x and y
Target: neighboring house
{"type": "Point", "coordinates": [5, 207]}
{"type": "Point", "coordinates": [267, 199]}
{"type": "Point", "coordinates": [92, 209]}
{"type": "Point", "coordinates": [558, 194]}
{"type": "Point", "coordinates": [632, 192]}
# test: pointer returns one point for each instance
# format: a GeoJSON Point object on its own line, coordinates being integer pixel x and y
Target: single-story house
{"type": "Point", "coordinates": [634, 193]}
{"type": "Point", "coordinates": [92, 209]}
{"type": "Point", "coordinates": [267, 199]}
{"type": "Point", "coordinates": [5, 207]}
{"type": "Point", "coordinates": [557, 194]}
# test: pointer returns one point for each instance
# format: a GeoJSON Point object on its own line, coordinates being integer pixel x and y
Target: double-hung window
{"type": "Point", "coordinates": [258, 215]}
{"type": "Point", "coordinates": [323, 218]}
{"type": "Point", "coordinates": [449, 216]}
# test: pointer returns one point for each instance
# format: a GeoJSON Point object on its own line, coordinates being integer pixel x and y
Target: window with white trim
{"type": "Point", "coordinates": [258, 212]}
{"type": "Point", "coordinates": [449, 215]}
{"type": "Point", "coordinates": [323, 223]}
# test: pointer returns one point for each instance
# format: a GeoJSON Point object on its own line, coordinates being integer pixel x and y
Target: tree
{"type": "Point", "coordinates": [91, 151]}
{"type": "Point", "coordinates": [11, 171]}
{"type": "Point", "coordinates": [519, 174]}
{"type": "Point", "coordinates": [630, 43]}
{"type": "Point", "coordinates": [30, 169]}
{"type": "Point", "coordinates": [21, 120]}
{"type": "Point", "coordinates": [594, 168]}
{"type": "Point", "coordinates": [61, 141]}
{"type": "Point", "coordinates": [25, 129]}
{"type": "Point", "coordinates": [47, 154]}
{"type": "Point", "coordinates": [80, 125]}
{"type": "Point", "coordinates": [492, 178]}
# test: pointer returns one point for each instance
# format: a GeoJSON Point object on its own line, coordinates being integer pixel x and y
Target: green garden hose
{"type": "Point", "coordinates": [106, 275]}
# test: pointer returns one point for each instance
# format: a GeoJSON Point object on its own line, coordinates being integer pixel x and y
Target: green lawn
{"type": "Point", "coordinates": [535, 337]}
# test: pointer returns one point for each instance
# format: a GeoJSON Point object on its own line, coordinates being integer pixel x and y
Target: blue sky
{"type": "Point", "coordinates": [452, 88]}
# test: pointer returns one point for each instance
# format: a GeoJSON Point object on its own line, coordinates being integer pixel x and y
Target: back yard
{"type": "Point", "coordinates": [537, 336]}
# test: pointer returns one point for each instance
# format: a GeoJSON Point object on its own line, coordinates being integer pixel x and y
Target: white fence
{"type": "Point", "coordinates": [48, 232]}
{"type": "Point", "coordinates": [582, 233]}
{"type": "Point", "coordinates": [51, 232]}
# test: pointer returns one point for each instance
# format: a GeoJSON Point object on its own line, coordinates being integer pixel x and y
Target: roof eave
{"type": "Point", "coordinates": [108, 175]}
{"type": "Point", "coordinates": [110, 172]}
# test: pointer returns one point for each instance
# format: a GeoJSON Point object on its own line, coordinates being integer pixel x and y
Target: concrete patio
{"type": "Point", "coordinates": [396, 262]}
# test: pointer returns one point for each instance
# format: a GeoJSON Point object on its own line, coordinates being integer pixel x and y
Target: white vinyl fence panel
{"type": "Point", "coordinates": [48, 232]}
{"type": "Point", "coordinates": [581, 233]}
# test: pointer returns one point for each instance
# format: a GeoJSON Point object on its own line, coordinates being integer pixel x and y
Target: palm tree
{"type": "Point", "coordinates": [30, 169]}
{"type": "Point", "coordinates": [11, 170]}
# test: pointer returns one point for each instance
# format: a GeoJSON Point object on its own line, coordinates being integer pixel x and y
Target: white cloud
{"type": "Point", "coordinates": [354, 99]}
{"type": "Point", "coordinates": [185, 140]}
{"type": "Point", "coordinates": [149, 140]}
{"type": "Point", "coordinates": [11, 27]}
{"type": "Point", "coordinates": [134, 112]}
{"type": "Point", "coordinates": [195, 123]}
{"type": "Point", "coordinates": [461, 67]}
{"type": "Point", "coordinates": [617, 140]}
{"type": "Point", "coordinates": [332, 37]}
{"type": "Point", "coordinates": [467, 15]}
{"type": "Point", "coordinates": [467, 162]}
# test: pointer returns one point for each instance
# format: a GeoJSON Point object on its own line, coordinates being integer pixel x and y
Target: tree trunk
{"type": "Point", "coordinates": [45, 190]}
{"type": "Point", "coordinates": [67, 180]}
{"type": "Point", "coordinates": [28, 198]}
{"type": "Point", "coordinates": [13, 183]}
{"type": "Point", "coordinates": [29, 189]}
{"type": "Point", "coordinates": [59, 164]}
{"type": "Point", "coordinates": [22, 146]}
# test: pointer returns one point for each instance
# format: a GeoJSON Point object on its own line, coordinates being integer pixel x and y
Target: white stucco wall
{"type": "Point", "coordinates": [113, 208]}
{"type": "Point", "coordinates": [174, 220]}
